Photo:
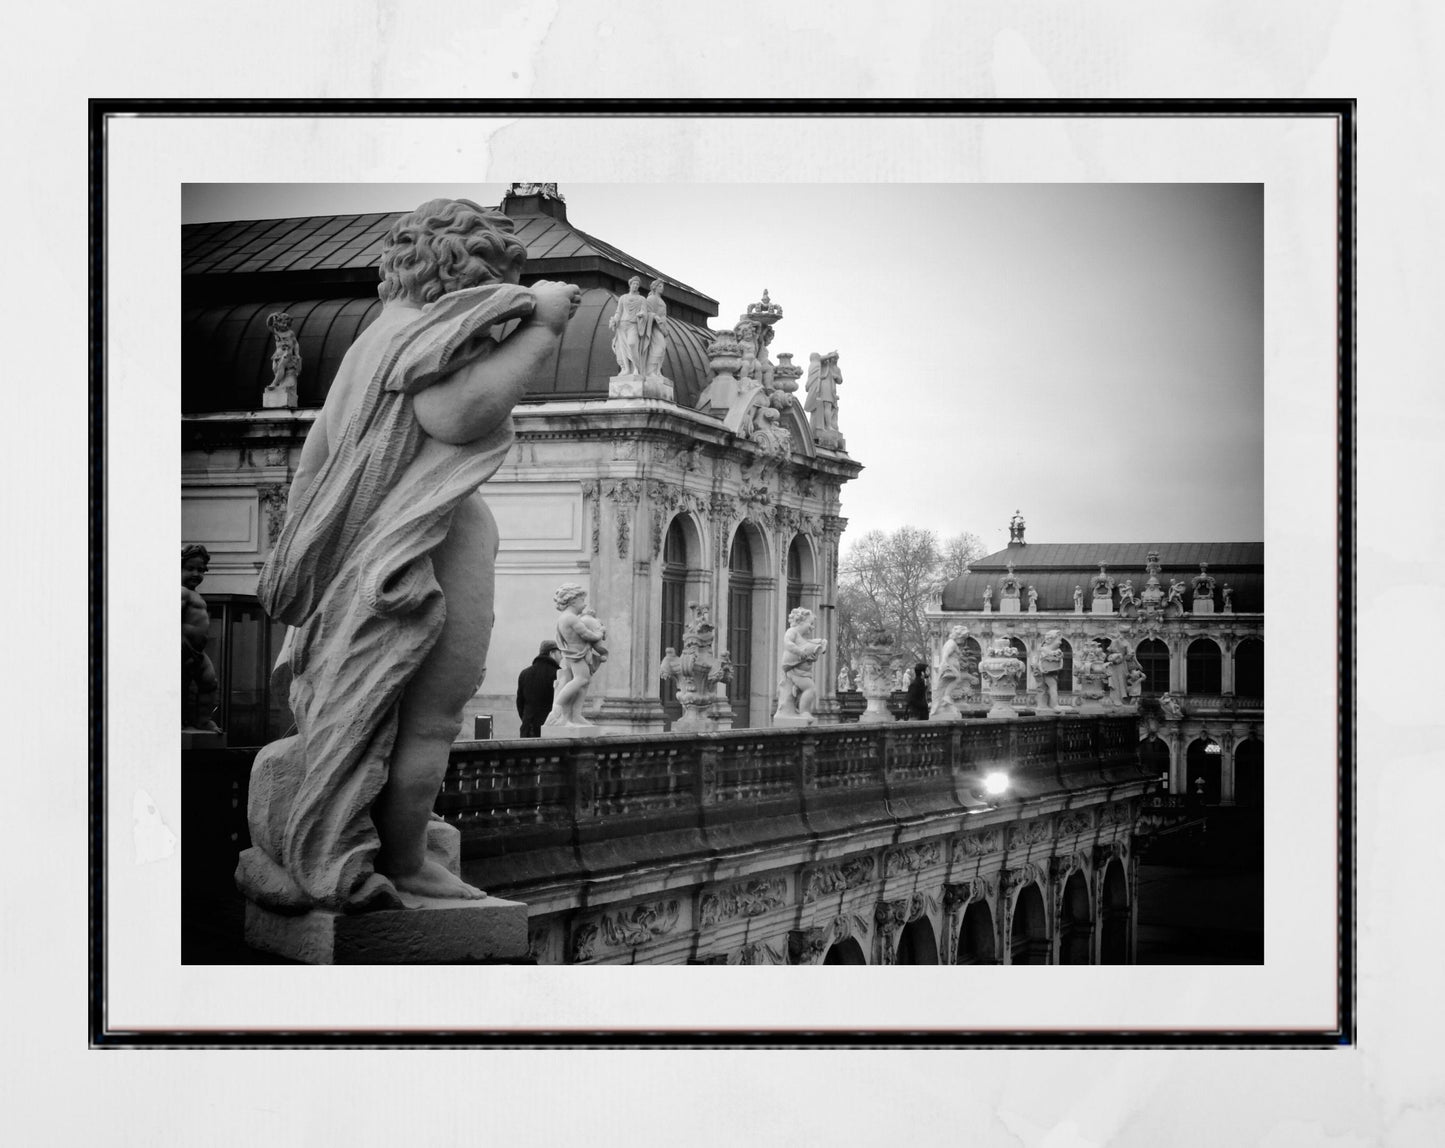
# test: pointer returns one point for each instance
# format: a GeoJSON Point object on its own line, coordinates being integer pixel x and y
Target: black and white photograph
{"type": "Point", "coordinates": [821, 606]}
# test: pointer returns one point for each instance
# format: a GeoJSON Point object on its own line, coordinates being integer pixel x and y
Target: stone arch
{"type": "Point", "coordinates": [1203, 667]}
{"type": "Point", "coordinates": [1154, 757]}
{"type": "Point", "coordinates": [1249, 668]}
{"type": "Point", "coordinates": [977, 937]}
{"type": "Point", "coordinates": [917, 944]}
{"type": "Point", "coordinates": [1066, 675]}
{"type": "Point", "coordinates": [1114, 914]}
{"type": "Point", "coordinates": [683, 578]}
{"type": "Point", "coordinates": [1076, 924]}
{"type": "Point", "coordinates": [846, 951]}
{"type": "Point", "coordinates": [1029, 928]}
{"type": "Point", "coordinates": [800, 569]}
{"type": "Point", "coordinates": [1249, 773]}
{"type": "Point", "coordinates": [1203, 762]}
{"type": "Point", "coordinates": [747, 638]}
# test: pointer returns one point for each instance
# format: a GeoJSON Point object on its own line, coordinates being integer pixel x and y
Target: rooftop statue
{"type": "Point", "coordinates": [579, 639]}
{"type": "Point", "coordinates": [198, 675]}
{"type": "Point", "coordinates": [627, 324]}
{"type": "Point", "coordinates": [285, 363]}
{"type": "Point", "coordinates": [384, 570]}
{"type": "Point", "coordinates": [653, 328]}
{"type": "Point", "coordinates": [796, 691]}
{"type": "Point", "coordinates": [824, 379]}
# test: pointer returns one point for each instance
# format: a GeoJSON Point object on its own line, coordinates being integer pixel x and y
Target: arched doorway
{"type": "Point", "coordinates": [1029, 940]}
{"type": "Point", "coordinates": [674, 609]}
{"type": "Point", "coordinates": [1021, 652]}
{"type": "Point", "coordinates": [1114, 914]}
{"type": "Point", "coordinates": [1154, 757]}
{"type": "Point", "coordinates": [1203, 666]}
{"type": "Point", "coordinates": [1076, 928]}
{"type": "Point", "coordinates": [1066, 675]}
{"type": "Point", "coordinates": [1153, 658]}
{"type": "Point", "coordinates": [845, 952]}
{"type": "Point", "coordinates": [976, 936]}
{"type": "Point", "coordinates": [1249, 669]}
{"type": "Point", "coordinates": [740, 626]}
{"type": "Point", "coordinates": [1249, 773]}
{"type": "Point", "coordinates": [1202, 774]}
{"type": "Point", "coordinates": [917, 945]}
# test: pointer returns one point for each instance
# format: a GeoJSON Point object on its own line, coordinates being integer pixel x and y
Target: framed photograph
{"type": "Point", "coordinates": [887, 500]}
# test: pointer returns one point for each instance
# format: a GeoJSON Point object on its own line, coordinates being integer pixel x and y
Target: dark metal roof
{"type": "Point", "coordinates": [226, 351]}
{"type": "Point", "coordinates": [1055, 568]}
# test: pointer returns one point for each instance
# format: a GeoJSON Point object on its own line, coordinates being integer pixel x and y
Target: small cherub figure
{"type": "Point", "coordinates": [796, 691]}
{"type": "Point", "coordinates": [196, 670]}
{"type": "Point", "coordinates": [579, 639]}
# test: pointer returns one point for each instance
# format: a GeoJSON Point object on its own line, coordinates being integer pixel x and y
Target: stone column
{"type": "Point", "coordinates": [1226, 667]}
{"type": "Point", "coordinates": [1176, 665]}
{"type": "Point", "coordinates": [1226, 768]}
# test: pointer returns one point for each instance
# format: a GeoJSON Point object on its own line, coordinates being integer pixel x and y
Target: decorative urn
{"type": "Point", "coordinates": [1001, 672]}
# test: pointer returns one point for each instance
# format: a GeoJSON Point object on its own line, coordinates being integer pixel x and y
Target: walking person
{"type": "Point", "coordinates": [534, 688]}
{"type": "Point", "coordinates": [918, 694]}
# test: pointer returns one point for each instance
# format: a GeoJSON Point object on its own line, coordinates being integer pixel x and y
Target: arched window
{"type": "Point", "coordinates": [1114, 925]}
{"type": "Point", "coordinates": [845, 952]}
{"type": "Point", "coordinates": [1153, 658]}
{"type": "Point", "coordinates": [1029, 942]}
{"type": "Point", "coordinates": [1249, 773]}
{"type": "Point", "coordinates": [1066, 675]}
{"type": "Point", "coordinates": [1202, 771]}
{"type": "Point", "coordinates": [740, 628]}
{"type": "Point", "coordinates": [795, 576]}
{"type": "Point", "coordinates": [674, 608]}
{"type": "Point", "coordinates": [917, 945]}
{"type": "Point", "coordinates": [1076, 928]}
{"type": "Point", "coordinates": [1154, 757]}
{"type": "Point", "coordinates": [1203, 667]}
{"type": "Point", "coordinates": [976, 937]}
{"type": "Point", "coordinates": [1249, 669]}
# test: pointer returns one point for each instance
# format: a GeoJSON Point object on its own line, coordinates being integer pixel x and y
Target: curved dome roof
{"type": "Point", "coordinates": [226, 351]}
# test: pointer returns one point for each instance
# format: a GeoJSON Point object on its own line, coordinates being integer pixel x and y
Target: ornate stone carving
{"type": "Point", "coordinates": [1075, 822]}
{"type": "Point", "coordinates": [1032, 832]}
{"type": "Point", "coordinates": [624, 495]}
{"type": "Point", "coordinates": [912, 858]}
{"type": "Point", "coordinates": [639, 925]}
{"type": "Point", "coordinates": [285, 363]}
{"type": "Point", "coordinates": [837, 878]}
{"type": "Point", "coordinates": [273, 499]}
{"type": "Point", "coordinates": [807, 946]}
{"type": "Point", "coordinates": [1092, 674]}
{"type": "Point", "coordinates": [876, 662]}
{"type": "Point", "coordinates": [665, 499]}
{"type": "Point", "coordinates": [591, 495]}
{"type": "Point", "coordinates": [1022, 875]}
{"type": "Point", "coordinates": [584, 941]}
{"type": "Point", "coordinates": [1001, 672]}
{"type": "Point", "coordinates": [579, 638]}
{"type": "Point", "coordinates": [954, 677]}
{"type": "Point", "coordinates": [978, 844]}
{"type": "Point", "coordinates": [697, 671]}
{"type": "Point", "coordinates": [539, 943]}
{"type": "Point", "coordinates": [276, 456]}
{"type": "Point", "coordinates": [759, 953]}
{"type": "Point", "coordinates": [744, 899]}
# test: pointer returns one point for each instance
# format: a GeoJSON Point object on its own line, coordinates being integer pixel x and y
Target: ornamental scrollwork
{"type": "Point", "coordinates": [747, 899]}
{"type": "Point", "coordinates": [837, 878]}
{"type": "Point", "coordinates": [912, 858]}
{"type": "Point", "coordinates": [639, 925]}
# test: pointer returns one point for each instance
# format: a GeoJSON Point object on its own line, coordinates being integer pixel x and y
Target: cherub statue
{"type": "Point", "coordinates": [384, 568]}
{"type": "Point", "coordinates": [197, 673]}
{"type": "Point", "coordinates": [796, 692]}
{"type": "Point", "coordinates": [952, 678]}
{"type": "Point", "coordinates": [579, 639]}
{"type": "Point", "coordinates": [1047, 663]}
{"type": "Point", "coordinates": [285, 359]}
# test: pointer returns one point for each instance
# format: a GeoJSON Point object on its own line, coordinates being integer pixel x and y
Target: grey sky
{"type": "Point", "coordinates": [1091, 354]}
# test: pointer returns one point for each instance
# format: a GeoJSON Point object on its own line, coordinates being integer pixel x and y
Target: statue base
{"type": "Point", "coordinates": [1008, 606]}
{"type": "Point", "coordinates": [1002, 710]}
{"type": "Point", "coordinates": [695, 721]}
{"type": "Point", "coordinates": [438, 932]}
{"type": "Point", "coordinates": [638, 387]}
{"type": "Point", "coordinates": [1103, 606]}
{"type": "Point", "coordinates": [1204, 605]}
{"type": "Point", "coordinates": [794, 721]}
{"type": "Point", "coordinates": [568, 729]}
{"type": "Point", "coordinates": [830, 440]}
{"type": "Point", "coordinates": [279, 397]}
{"type": "Point", "coordinates": [876, 713]}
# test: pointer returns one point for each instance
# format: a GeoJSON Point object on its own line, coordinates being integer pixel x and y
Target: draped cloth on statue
{"type": "Point", "coordinates": [352, 574]}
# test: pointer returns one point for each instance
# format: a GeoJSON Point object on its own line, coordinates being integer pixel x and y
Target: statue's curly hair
{"type": "Point", "coordinates": [447, 245]}
{"type": "Point", "coordinates": [566, 594]}
{"type": "Point", "coordinates": [195, 551]}
{"type": "Point", "coordinates": [799, 615]}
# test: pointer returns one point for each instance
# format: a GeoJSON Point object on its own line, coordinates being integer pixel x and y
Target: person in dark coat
{"type": "Point", "coordinates": [534, 688]}
{"type": "Point", "coordinates": [918, 694]}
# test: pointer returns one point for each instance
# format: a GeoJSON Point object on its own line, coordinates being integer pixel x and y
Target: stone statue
{"type": "Point", "coordinates": [1078, 599]}
{"type": "Point", "coordinates": [988, 598]}
{"type": "Point", "coordinates": [653, 329]}
{"type": "Point", "coordinates": [1228, 595]}
{"type": "Point", "coordinates": [796, 692]}
{"type": "Point", "coordinates": [1102, 584]}
{"type": "Point", "coordinates": [1047, 663]}
{"type": "Point", "coordinates": [579, 640]}
{"type": "Point", "coordinates": [1171, 707]}
{"type": "Point", "coordinates": [769, 433]}
{"type": "Point", "coordinates": [1122, 664]}
{"type": "Point", "coordinates": [1091, 675]}
{"type": "Point", "coordinates": [1016, 527]}
{"type": "Point", "coordinates": [824, 379]}
{"type": "Point", "coordinates": [1176, 594]}
{"type": "Point", "coordinates": [285, 363]}
{"type": "Point", "coordinates": [1203, 583]}
{"type": "Point", "coordinates": [697, 672]}
{"type": "Point", "coordinates": [384, 568]}
{"type": "Point", "coordinates": [953, 678]}
{"type": "Point", "coordinates": [1033, 601]}
{"type": "Point", "coordinates": [753, 339]}
{"type": "Point", "coordinates": [1128, 600]}
{"type": "Point", "coordinates": [626, 324]}
{"type": "Point", "coordinates": [845, 684]}
{"type": "Point", "coordinates": [198, 676]}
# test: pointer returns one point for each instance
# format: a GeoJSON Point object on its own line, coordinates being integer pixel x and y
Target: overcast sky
{"type": "Point", "coordinates": [1090, 354]}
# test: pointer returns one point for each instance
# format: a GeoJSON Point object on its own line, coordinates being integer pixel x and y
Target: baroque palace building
{"type": "Point", "coordinates": [698, 484]}
{"type": "Point", "coordinates": [1190, 614]}
{"type": "Point", "coordinates": [651, 497]}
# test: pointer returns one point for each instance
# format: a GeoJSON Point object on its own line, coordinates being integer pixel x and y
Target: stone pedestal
{"type": "Point", "coordinates": [1204, 605]}
{"type": "Point", "coordinates": [282, 396]}
{"type": "Point", "coordinates": [830, 440]}
{"type": "Point", "coordinates": [1103, 606]}
{"type": "Point", "coordinates": [1008, 606]}
{"type": "Point", "coordinates": [794, 721]}
{"type": "Point", "coordinates": [876, 713]}
{"type": "Point", "coordinates": [440, 931]}
{"type": "Point", "coordinates": [637, 387]}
